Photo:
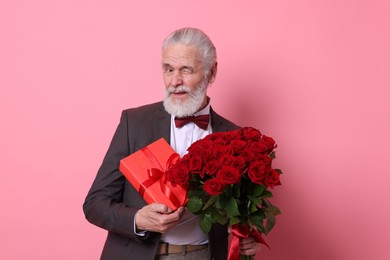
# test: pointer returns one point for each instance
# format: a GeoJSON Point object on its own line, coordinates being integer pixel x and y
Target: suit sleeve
{"type": "Point", "coordinates": [103, 205]}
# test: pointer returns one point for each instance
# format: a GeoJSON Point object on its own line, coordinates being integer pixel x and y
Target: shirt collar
{"type": "Point", "coordinates": [204, 111]}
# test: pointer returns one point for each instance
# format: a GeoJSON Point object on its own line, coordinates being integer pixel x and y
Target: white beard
{"type": "Point", "coordinates": [190, 106]}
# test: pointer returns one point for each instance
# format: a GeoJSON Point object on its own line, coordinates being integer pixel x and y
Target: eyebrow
{"type": "Point", "coordinates": [165, 65]}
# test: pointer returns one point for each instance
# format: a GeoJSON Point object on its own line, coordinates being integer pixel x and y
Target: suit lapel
{"type": "Point", "coordinates": [162, 124]}
{"type": "Point", "coordinates": [217, 123]}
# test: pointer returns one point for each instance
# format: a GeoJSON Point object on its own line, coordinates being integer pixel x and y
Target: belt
{"type": "Point", "coordinates": [165, 248]}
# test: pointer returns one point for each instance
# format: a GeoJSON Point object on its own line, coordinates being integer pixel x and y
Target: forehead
{"type": "Point", "coordinates": [180, 55]}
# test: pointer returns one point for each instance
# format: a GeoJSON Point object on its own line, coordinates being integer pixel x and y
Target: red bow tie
{"type": "Point", "coordinates": [201, 121]}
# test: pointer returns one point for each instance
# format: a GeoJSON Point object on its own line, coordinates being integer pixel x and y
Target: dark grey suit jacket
{"type": "Point", "coordinates": [112, 201]}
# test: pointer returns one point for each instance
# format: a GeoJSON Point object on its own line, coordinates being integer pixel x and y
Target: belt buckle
{"type": "Point", "coordinates": [166, 248]}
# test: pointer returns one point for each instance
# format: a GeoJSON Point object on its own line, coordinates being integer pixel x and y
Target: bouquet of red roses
{"type": "Point", "coordinates": [228, 175]}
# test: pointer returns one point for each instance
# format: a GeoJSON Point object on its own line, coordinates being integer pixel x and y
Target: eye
{"type": "Point", "coordinates": [186, 71]}
{"type": "Point", "coordinates": [168, 69]}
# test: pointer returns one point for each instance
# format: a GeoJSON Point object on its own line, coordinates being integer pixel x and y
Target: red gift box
{"type": "Point", "coordinates": [145, 170]}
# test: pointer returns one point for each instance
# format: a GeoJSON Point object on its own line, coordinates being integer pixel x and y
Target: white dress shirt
{"type": "Point", "coordinates": [187, 232]}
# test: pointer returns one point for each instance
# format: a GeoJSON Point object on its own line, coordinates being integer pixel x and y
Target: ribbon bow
{"type": "Point", "coordinates": [238, 232]}
{"type": "Point", "coordinates": [158, 174]}
{"type": "Point", "coordinates": [201, 121]}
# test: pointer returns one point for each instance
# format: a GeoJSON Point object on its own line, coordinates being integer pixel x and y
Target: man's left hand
{"type": "Point", "coordinates": [248, 246]}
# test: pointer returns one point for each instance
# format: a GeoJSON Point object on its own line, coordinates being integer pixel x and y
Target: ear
{"type": "Point", "coordinates": [213, 73]}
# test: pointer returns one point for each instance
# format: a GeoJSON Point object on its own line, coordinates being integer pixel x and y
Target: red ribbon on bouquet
{"type": "Point", "coordinates": [238, 232]}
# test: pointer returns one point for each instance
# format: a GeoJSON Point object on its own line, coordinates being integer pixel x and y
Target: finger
{"type": "Point", "coordinates": [161, 208]}
{"type": "Point", "coordinates": [249, 251]}
{"type": "Point", "coordinates": [155, 222]}
{"type": "Point", "coordinates": [247, 240]}
{"type": "Point", "coordinates": [250, 248]}
{"type": "Point", "coordinates": [158, 217]}
{"type": "Point", "coordinates": [151, 215]}
{"type": "Point", "coordinates": [167, 221]}
{"type": "Point", "coordinates": [181, 211]}
{"type": "Point", "coordinates": [173, 217]}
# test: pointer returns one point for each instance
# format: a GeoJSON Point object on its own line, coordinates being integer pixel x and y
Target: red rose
{"type": "Point", "coordinates": [182, 161]}
{"type": "Point", "coordinates": [247, 154]}
{"type": "Point", "coordinates": [257, 171]}
{"type": "Point", "coordinates": [239, 162]}
{"type": "Point", "coordinates": [179, 174]}
{"type": "Point", "coordinates": [200, 151]}
{"type": "Point", "coordinates": [227, 160]}
{"type": "Point", "coordinates": [229, 136]}
{"type": "Point", "coordinates": [215, 136]}
{"type": "Point", "coordinates": [268, 142]}
{"type": "Point", "coordinates": [259, 148]}
{"type": "Point", "coordinates": [219, 142]}
{"type": "Point", "coordinates": [211, 167]}
{"type": "Point", "coordinates": [251, 133]}
{"type": "Point", "coordinates": [200, 145]}
{"type": "Point", "coordinates": [271, 178]}
{"type": "Point", "coordinates": [228, 175]}
{"type": "Point", "coordinates": [236, 134]}
{"type": "Point", "coordinates": [265, 159]}
{"type": "Point", "coordinates": [206, 154]}
{"type": "Point", "coordinates": [237, 145]}
{"type": "Point", "coordinates": [220, 150]}
{"type": "Point", "coordinates": [195, 150]}
{"type": "Point", "coordinates": [195, 164]}
{"type": "Point", "coordinates": [213, 187]}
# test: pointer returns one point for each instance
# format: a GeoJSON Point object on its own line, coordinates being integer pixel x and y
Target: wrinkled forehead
{"type": "Point", "coordinates": [181, 55]}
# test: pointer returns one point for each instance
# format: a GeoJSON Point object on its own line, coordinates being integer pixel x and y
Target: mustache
{"type": "Point", "coordinates": [179, 89]}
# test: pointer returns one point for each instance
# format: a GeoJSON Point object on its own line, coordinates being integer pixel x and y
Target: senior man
{"type": "Point", "coordinates": [140, 231]}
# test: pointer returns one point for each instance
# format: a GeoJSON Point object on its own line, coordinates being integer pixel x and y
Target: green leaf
{"type": "Point", "coordinates": [205, 224]}
{"type": "Point", "coordinates": [257, 219]}
{"type": "Point", "coordinates": [231, 207]}
{"type": "Point", "coordinates": [222, 212]}
{"type": "Point", "coordinates": [223, 221]}
{"type": "Point", "coordinates": [272, 155]}
{"type": "Point", "coordinates": [271, 221]}
{"type": "Point", "coordinates": [216, 217]}
{"type": "Point", "coordinates": [255, 200]}
{"type": "Point", "coordinates": [210, 202]}
{"type": "Point", "coordinates": [257, 190]}
{"type": "Point", "coordinates": [252, 207]}
{"type": "Point", "coordinates": [194, 204]}
{"type": "Point", "coordinates": [193, 193]}
{"type": "Point", "coordinates": [275, 210]}
{"type": "Point", "coordinates": [221, 201]}
{"type": "Point", "coordinates": [266, 194]}
{"type": "Point", "coordinates": [269, 207]}
{"type": "Point", "coordinates": [234, 220]}
{"type": "Point", "coordinates": [266, 203]}
{"type": "Point", "coordinates": [279, 171]}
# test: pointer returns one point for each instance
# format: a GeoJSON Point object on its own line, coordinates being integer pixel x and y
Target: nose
{"type": "Point", "coordinates": [177, 79]}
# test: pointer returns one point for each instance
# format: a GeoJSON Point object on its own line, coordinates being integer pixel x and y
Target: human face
{"type": "Point", "coordinates": [182, 67]}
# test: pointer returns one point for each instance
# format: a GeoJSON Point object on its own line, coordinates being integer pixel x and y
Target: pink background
{"type": "Point", "coordinates": [312, 74]}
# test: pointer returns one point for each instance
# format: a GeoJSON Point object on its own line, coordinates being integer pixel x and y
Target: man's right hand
{"type": "Point", "coordinates": [157, 218]}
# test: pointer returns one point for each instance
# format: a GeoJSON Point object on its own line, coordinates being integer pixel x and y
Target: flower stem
{"type": "Point", "coordinates": [247, 257]}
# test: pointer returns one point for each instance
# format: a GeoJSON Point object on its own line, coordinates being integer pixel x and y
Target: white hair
{"type": "Point", "coordinates": [198, 39]}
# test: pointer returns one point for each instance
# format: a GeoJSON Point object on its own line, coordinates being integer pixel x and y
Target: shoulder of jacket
{"type": "Point", "coordinates": [145, 108]}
